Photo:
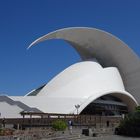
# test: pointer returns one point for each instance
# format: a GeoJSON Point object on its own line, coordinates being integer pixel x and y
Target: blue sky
{"type": "Point", "coordinates": [22, 21]}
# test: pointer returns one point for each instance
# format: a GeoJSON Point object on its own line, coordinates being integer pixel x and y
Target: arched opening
{"type": "Point", "coordinates": [113, 104]}
{"type": "Point", "coordinates": [106, 105]}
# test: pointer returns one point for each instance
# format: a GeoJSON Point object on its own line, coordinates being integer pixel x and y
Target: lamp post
{"type": "Point", "coordinates": [77, 107]}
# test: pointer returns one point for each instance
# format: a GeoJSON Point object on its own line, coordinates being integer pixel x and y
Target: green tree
{"type": "Point", "coordinates": [130, 125]}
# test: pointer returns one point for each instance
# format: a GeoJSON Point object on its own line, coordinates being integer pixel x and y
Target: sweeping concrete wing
{"type": "Point", "coordinates": [107, 49]}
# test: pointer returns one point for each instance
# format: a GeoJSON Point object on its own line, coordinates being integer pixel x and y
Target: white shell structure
{"type": "Point", "coordinates": [109, 51]}
{"type": "Point", "coordinates": [81, 84]}
{"type": "Point", "coordinates": [108, 67]}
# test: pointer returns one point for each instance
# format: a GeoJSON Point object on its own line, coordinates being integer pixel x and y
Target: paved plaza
{"type": "Point", "coordinates": [74, 137]}
{"type": "Point", "coordinates": [115, 137]}
{"type": "Point", "coordinates": [77, 135]}
{"type": "Point", "coordinates": [67, 135]}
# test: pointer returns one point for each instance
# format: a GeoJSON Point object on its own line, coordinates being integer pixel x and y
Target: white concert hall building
{"type": "Point", "coordinates": [105, 82]}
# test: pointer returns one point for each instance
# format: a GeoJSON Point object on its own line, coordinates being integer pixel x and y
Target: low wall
{"type": "Point", "coordinates": [80, 120]}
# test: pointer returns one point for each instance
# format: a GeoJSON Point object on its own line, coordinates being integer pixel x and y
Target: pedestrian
{"type": "Point", "coordinates": [107, 123]}
{"type": "Point", "coordinates": [70, 126]}
{"type": "Point", "coordinates": [3, 122]}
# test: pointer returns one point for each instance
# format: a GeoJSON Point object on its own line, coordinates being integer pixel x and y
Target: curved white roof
{"type": "Point", "coordinates": [106, 48]}
{"type": "Point", "coordinates": [81, 83]}
{"type": "Point", "coordinates": [83, 80]}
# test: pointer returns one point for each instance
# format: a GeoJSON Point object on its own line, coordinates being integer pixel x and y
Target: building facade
{"type": "Point", "coordinates": [105, 82]}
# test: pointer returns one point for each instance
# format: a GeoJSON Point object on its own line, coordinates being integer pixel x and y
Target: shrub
{"type": "Point", "coordinates": [130, 125]}
{"type": "Point", "coordinates": [59, 125]}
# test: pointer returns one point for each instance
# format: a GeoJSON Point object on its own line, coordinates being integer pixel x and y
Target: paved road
{"type": "Point", "coordinates": [74, 137]}
{"type": "Point", "coordinates": [115, 137]}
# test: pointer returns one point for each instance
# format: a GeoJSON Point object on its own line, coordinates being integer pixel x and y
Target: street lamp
{"type": "Point", "coordinates": [77, 107]}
